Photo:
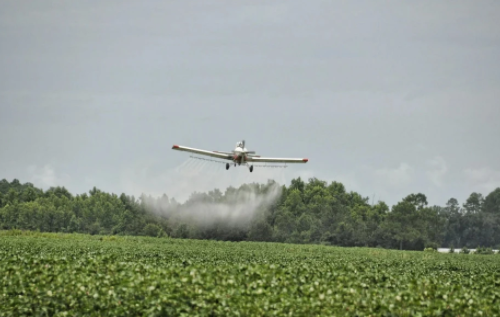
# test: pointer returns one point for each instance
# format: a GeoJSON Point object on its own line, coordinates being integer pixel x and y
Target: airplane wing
{"type": "Point", "coordinates": [275, 160]}
{"type": "Point", "coordinates": [216, 154]}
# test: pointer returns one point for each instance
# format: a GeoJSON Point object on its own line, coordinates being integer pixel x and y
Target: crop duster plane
{"type": "Point", "coordinates": [240, 155]}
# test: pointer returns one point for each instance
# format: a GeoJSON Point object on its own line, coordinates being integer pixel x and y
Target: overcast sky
{"type": "Point", "coordinates": [387, 97]}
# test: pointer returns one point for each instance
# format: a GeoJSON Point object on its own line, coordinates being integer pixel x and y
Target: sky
{"type": "Point", "coordinates": [387, 97]}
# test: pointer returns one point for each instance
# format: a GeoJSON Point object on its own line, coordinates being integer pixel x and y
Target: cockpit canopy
{"type": "Point", "coordinates": [239, 144]}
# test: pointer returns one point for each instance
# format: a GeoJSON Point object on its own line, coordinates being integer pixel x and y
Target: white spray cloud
{"type": "Point", "coordinates": [186, 182]}
{"type": "Point", "coordinates": [234, 209]}
{"type": "Point", "coordinates": [192, 175]}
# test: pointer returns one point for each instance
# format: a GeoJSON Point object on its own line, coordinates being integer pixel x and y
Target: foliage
{"type": "Point", "coordinates": [312, 212]}
{"type": "Point", "coordinates": [465, 250]}
{"type": "Point", "coordinates": [483, 251]}
{"type": "Point", "coordinates": [432, 245]}
{"type": "Point", "coordinates": [75, 274]}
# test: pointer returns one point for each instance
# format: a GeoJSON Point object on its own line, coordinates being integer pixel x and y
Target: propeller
{"type": "Point", "coordinates": [243, 146]}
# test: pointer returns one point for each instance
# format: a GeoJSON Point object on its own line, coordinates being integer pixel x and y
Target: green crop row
{"type": "Point", "coordinates": [82, 275]}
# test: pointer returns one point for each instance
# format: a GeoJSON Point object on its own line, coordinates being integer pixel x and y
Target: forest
{"type": "Point", "coordinates": [312, 212]}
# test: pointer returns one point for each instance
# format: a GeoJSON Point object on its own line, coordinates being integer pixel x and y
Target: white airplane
{"type": "Point", "coordinates": [240, 155]}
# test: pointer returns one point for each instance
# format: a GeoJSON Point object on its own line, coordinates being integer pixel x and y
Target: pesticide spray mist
{"type": "Point", "coordinates": [202, 194]}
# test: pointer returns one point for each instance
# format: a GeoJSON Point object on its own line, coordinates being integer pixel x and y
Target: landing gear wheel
{"type": "Point", "coordinates": [251, 168]}
{"type": "Point", "coordinates": [227, 166]}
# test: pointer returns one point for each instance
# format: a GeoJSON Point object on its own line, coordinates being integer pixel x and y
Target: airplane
{"type": "Point", "coordinates": [240, 155]}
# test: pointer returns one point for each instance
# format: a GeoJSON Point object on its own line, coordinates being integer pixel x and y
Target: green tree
{"type": "Point", "coordinates": [402, 221]}
{"type": "Point", "coordinates": [492, 202]}
{"type": "Point", "coordinates": [260, 230]}
{"type": "Point", "coordinates": [418, 200]}
{"type": "Point", "coordinates": [153, 230]}
{"type": "Point", "coordinates": [474, 203]}
{"type": "Point", "coordinates": [454, 223]}
{"type": "Point", "coordinates": [294, 202]}
{"type": "Point", "coordinates": [12, 197]}
{"type": "Point", "coordinates": [284, 225]}
{"type": "Point", "coordinates": [304, 223]}
{"type": "Point", "coordinates": [182, 231]}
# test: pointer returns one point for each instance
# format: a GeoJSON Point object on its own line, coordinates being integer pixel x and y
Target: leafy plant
{"type": "Point", "coordinates": [464, 250]}
{"type": "Point", "coordinates": [76, 275]}
{"type": "Point", "coordinates": [484, 251]}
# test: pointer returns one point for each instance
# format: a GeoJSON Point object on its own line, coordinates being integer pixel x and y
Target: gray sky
{"type": "Point", "coordinates": [387, 97]}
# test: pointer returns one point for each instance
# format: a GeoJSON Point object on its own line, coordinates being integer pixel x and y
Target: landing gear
{"type": "Point", "coordinates": [249, 167]}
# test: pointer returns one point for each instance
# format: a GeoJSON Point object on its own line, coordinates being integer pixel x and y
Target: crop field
{"type": "Point", "coordinates": [79, 275]}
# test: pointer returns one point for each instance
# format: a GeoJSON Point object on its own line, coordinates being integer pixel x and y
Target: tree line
{"type": "Point", "coordinates": [312, 211]}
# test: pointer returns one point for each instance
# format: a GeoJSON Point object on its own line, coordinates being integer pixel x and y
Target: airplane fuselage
{"type": "Point", "coordinates": [239, 155]}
